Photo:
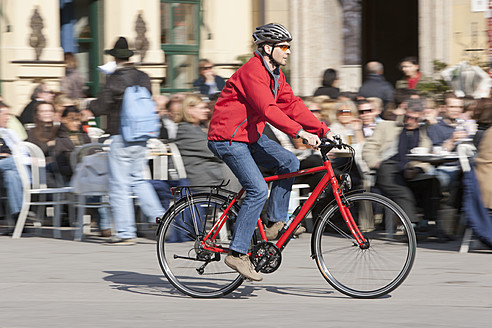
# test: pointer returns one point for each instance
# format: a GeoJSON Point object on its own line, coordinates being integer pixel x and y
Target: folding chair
{"type": "Point", "coordinates": [95, 189]}
{"type": "Point", "coordinates": [33, 178]}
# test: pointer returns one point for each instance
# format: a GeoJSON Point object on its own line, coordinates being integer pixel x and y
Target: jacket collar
{"type": "Point", "coordinates": [275, 74]}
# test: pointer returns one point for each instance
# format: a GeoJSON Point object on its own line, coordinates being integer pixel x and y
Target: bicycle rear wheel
{"type": "Point", "coordinates": [191, 269]}
{"type": "Point", "coordinates": [371, 272]}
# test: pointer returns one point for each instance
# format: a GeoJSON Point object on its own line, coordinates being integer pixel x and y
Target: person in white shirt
{"type": "Point", "coordinates": [10, 175]}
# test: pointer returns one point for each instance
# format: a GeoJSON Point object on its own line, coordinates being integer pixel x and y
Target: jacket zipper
{"type": "Point", "coordinates": [235, 131]}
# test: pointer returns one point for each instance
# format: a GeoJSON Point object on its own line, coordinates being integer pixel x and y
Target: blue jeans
{"type": "Point", "coordinates": [12, 182]}
{"type": "Point", "coordinates": [243, 160]}
{"type": "Point", "coordinates": [126, 165]}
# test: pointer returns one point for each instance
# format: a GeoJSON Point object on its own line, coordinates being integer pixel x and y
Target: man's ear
{"type": "Point", "coordinates": [268, 49]}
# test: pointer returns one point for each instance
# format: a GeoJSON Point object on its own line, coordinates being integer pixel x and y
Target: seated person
{"type": "Point", "coordinates": [349, 126]}
{"type": "Point", "coordinates": [11, 178]}
{"type": "Point", "coordinates": [40, 93]}
{"type": "Point", "coordinates": [43, 135]}
{"type": "Point", "coordinates": [202, 167]}
{"type": "Point", "coordinates": [347, 123]}
{"type": "Point", "coordinates": [448, 130]}
{"type": "Point", "coordinates": [369, 116]}
{"type": "Point", "coordinates": [447, 133]}
{"type": "Point", "coordinates": [69, 136]}
{"type": "Point", "coordinates": [208, 83]}
{"type": "Point", "coordinates": [403, 181]}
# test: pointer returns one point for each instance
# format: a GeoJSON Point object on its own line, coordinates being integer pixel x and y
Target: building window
{"type": "Point", "coordinates": [180, 40]}
{"type": "Point", "coordinates": [80, 35]}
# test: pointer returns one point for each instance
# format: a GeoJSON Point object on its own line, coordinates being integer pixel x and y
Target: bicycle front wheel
{"type": "Point", "coordinates": [188, 267]}
{"type": "Point", "coordinates": [362, 272]}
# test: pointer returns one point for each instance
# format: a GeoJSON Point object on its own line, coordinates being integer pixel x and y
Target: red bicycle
{"type": "Point", "coordinates": [194, 234]}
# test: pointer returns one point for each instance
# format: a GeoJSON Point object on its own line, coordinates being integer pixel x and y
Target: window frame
{"type": "Point", "coordinates": [173, 49]}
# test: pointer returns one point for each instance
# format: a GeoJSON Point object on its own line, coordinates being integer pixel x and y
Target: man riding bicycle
{"type": "Point", "coordinates": [256, 94]}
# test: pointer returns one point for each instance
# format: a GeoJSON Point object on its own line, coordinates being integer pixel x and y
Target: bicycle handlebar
{"type": "Point", "coordinates": [336, 142]}
{"type": "Point", "coordinates": [327, 145]}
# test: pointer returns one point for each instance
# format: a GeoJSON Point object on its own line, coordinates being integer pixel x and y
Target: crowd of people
{"type": "Point", "coordinates": [384, 123]}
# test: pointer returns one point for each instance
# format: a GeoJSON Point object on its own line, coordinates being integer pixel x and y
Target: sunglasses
{"type": "Point", "coordinates": [407, 117]}
{"type": "Point", "coordinates": [204, 68]}
{"type": "Point", "coordinates": [365, 111]}
{"type": "Point", "coordinates": [345, 111]}
{"type": "Point", "coordinates": [283, 47]}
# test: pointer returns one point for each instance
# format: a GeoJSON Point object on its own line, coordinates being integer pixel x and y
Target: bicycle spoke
{"type": "Point", "coordinates": [364, 272]}
{"type": "Point", "coordinates": [190, 267]}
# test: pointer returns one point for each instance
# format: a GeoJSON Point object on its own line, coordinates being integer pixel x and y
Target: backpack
{"type": "Point", "coordinates": [139, 118]}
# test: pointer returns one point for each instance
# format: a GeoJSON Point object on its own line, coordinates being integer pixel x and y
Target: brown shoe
{"type": "Point", "coordinates": [116, 241]}
{"type": "Point", "coordinates": [106, 233]}
{"type": "Point", "coordinates": [272, 232]}
{"type": "Point", "coordinates": [299, 231]}
{"type": "Point", "coordinates": [243, 265]}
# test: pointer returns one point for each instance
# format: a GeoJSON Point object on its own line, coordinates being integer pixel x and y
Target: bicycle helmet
{"type": "Point", "coordinates": [271, 33]}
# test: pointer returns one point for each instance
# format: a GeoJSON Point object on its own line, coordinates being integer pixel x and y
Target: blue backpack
{"type": "Point", "coordinates": [139, 118]}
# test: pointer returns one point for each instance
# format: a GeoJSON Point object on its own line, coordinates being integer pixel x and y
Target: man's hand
{"type": "Point", "coordinates": [85, 114]}
{"type": "Point", "coordinates": [209, 76]}
{"type": "Point", "coordinates": [311, 139]}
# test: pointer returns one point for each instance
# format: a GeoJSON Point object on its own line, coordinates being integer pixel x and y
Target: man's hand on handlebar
{"type": "Point", "coordinates": [310, 139]}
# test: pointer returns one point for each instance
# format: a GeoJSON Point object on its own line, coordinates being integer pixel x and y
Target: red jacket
{"type": "Point", "coordinates": [248, 102]}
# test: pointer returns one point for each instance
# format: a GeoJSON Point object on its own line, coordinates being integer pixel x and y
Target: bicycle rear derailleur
{"type": "Point", "coordinates": [266, 257]}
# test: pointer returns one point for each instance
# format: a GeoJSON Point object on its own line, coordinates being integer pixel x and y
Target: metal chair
{"type": "Point", "coordinates": [33, 177]}
{"type": "Point", "coordinates": [99, 190]}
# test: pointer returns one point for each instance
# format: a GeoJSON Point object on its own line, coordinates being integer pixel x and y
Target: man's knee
{"type": "Point", "coordinates": [260, 193]}
{"type": "Point", "coordinates": [291, 163]}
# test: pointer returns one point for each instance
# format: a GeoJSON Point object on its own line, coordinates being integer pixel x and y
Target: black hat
{"type": "Point", "coordinates": [120, 49]}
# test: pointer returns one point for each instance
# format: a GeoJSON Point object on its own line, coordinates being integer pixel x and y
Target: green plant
{"type": "Point", "coordinates": [434, 87]}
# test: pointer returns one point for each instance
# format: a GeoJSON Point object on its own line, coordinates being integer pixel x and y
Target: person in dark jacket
{"type": "Point", "coordinates": [376, 85]}
{"type": "Point", "coordinates": [69, 136]}
{"type": "Point", "coordinates": [126, 159]}
{"type": "Point", "coordinates": [328, 88]}
{"type": "Point", "coordinates": [43, 134]}
{"type": "Point", "coordinates": [208, 83]}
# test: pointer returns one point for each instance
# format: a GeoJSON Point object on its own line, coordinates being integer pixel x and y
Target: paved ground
{"type": "Point", "coordinates": [46, 282]}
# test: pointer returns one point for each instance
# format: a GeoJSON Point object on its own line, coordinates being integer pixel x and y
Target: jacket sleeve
{"type": "Point", "coordinates": [105, 100]}
{"type": "Point", "coordinates": [295, 108]}
{"type": "Point", "coordinates": [371, 152]}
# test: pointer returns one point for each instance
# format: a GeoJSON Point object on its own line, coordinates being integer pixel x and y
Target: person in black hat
{"type": "Point", "coordinates": [126, 159]}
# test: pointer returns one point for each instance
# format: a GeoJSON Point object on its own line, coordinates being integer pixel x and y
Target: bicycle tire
{"type": "Point", "coordinates": [371, 272]}
{"type": "Point", "coordinates": [180, 260]}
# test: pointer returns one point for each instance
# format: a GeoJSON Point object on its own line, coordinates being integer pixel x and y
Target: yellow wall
{"type": "Point", "coordinates": [468, 30]}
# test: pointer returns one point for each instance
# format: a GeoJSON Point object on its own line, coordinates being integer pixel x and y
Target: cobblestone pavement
{"type": "Point", "coordinates": [45, 282]}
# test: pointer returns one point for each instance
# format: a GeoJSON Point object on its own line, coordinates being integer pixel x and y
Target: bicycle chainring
{"type": "Point", "coordinates": [269, 253]}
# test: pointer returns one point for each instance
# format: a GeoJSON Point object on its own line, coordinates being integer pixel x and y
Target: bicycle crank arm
{"type": "Point", "coordinates": [215, 259]}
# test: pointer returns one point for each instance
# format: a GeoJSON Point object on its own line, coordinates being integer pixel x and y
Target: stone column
{"type": "Point", "coordinates": [317, 43]}
{"type": "Point", "coordinates": [120, 21]}
{"type": "Point", "coordinates": [434, 33]}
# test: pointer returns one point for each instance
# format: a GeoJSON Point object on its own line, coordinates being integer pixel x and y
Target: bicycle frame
{"type": "Point", "coordinates": [328, 178]}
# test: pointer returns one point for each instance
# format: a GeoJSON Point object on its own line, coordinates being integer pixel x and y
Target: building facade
{"type": "Point", "coordinates": [170, 36]}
